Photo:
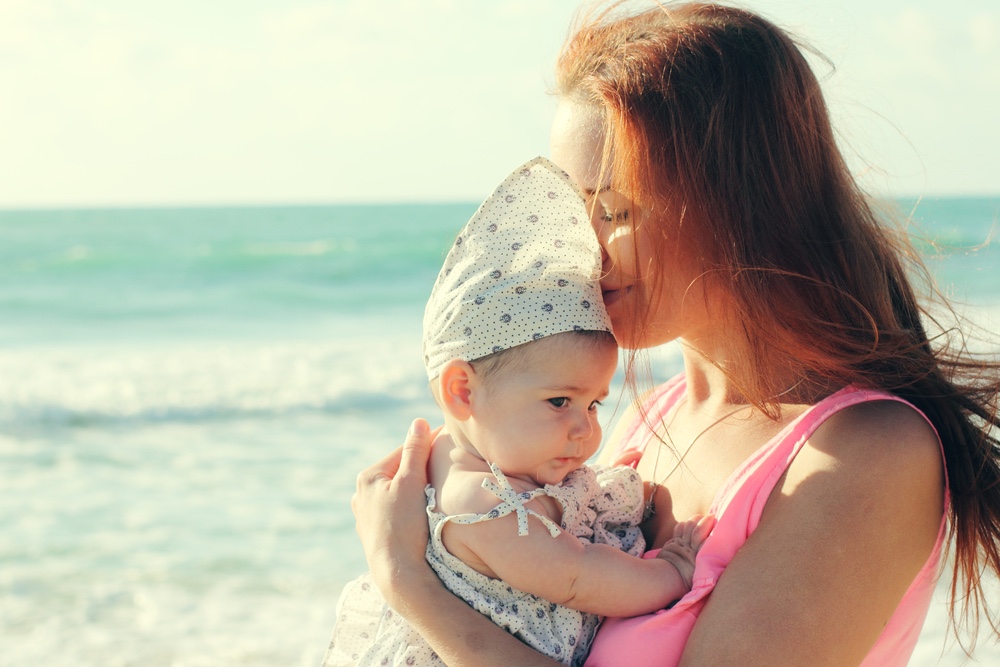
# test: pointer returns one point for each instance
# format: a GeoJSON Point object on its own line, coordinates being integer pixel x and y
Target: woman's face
{"type": "Point", "coordinates": [629, 270]}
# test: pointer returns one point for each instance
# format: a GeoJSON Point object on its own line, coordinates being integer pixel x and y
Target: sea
{"type": "Point", "coordinates": [187, 396]}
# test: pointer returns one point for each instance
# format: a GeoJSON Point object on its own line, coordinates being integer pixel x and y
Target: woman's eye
{"type": "Point", "coordinates": [560, 402]}
{"type": "Point", "coordinates": [619, 217]}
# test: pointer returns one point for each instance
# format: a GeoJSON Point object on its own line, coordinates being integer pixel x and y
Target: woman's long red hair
{"type": "Point", "coordinates": [717, 129]}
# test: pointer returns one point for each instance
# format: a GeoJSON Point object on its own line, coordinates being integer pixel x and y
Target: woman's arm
{"type": "Point", "coordinates": [392, 524]}
{"type": "Point", "coordinates": [841, 539]}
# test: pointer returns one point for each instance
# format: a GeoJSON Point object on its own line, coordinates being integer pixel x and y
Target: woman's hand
{"type": "Point", "coordinates": [391, 520]}
{"type": "Point", "coordinates": [390, 515]}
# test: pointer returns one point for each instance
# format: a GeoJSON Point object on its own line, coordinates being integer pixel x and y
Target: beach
{"type": "Point", "coordinates": [190, 394]}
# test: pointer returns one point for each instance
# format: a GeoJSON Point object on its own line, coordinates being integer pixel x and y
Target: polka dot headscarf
{"type": "Point", "coordinates": [527, 265]}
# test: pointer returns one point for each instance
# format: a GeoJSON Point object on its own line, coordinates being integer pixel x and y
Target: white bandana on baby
{"type": "Point", "coordinates": [527, 265]}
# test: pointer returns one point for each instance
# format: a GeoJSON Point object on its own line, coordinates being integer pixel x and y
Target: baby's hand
{"type": "Point", "coordinates": [688, 537]}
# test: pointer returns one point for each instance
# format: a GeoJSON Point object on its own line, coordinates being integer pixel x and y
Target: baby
{"type": "Point", "coordinates": [519, 352]}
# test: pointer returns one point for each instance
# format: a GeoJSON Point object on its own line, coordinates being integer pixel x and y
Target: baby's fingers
{"type": "Point", "coordinates": [702, 530]}
{"type": "Point", "coordinates": [695, 530]}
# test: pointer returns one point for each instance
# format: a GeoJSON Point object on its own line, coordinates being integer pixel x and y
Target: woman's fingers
{"type": "Point", "coordinates": [389, 507]}
{"type": "Point", "coordinates": [384, 469]}
{"type": "Point", "coordinates": [416, 449]}
{"type": "Point", "coordinates": [378, 484]}
{"type": "Point", "coordinates": [412, 456]}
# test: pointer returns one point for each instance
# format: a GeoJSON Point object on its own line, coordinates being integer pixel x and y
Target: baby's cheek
{"type": "Point", "coordinates": [595, 441]}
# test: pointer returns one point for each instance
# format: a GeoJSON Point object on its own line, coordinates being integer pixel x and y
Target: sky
{"type": "Point", "coordinates": [221, 102]}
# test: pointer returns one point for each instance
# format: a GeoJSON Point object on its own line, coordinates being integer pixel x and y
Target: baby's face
{"type": "Point", "coordinates": [537, 419]}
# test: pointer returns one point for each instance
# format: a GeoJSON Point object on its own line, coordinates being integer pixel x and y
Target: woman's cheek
{"type": "Point", "coordinates": [620, 246]}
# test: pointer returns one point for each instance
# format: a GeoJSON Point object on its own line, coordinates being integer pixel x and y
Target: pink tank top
{"type": "Point", "coordinates": [658, 639]}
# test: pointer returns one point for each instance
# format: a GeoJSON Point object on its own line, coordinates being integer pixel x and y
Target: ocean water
{"type": "Point", "coordinates": [188, 395]}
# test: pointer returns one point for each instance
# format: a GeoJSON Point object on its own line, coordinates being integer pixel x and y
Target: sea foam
{"type": "Point", "coordinates": [96, 383]}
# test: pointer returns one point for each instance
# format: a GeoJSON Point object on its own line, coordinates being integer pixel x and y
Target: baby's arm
{"type": "Point", "coordinates": [595, 578]}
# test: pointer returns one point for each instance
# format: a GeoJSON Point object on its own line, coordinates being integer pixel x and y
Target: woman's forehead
{"type": "Point", "coordinates": [577, 142]}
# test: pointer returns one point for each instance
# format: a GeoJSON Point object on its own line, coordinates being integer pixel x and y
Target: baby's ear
{"type": "Point", "coordinates": [455, 387]}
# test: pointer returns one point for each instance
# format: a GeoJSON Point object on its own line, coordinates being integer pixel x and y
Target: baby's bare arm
{"type": "Point", "coordinates": [595, 578]}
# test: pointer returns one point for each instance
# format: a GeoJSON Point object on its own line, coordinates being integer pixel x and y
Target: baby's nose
{"type": "Point", "coordinates": [583, 428]}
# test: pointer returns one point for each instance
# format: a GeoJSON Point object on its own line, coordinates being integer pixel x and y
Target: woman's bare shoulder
{"type": "Point", "coordinates": [888, 440]}
{"type": "Point", "coordinates": [880, 464]}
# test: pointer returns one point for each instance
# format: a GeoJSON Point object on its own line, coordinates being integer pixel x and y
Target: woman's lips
{"type": "Point", "coordinates": [613, 295]}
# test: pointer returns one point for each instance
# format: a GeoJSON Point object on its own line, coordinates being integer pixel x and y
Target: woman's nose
{"type": "Point", "coordinates": [598, 220]}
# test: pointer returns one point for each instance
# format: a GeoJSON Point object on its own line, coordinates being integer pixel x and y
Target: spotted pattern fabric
{"type": "Point", "coordinates": [513, 502]}
{"type": "Point", "coordinates": [600, 505]}
{"type": "Point", "coordinates": [527, 265]}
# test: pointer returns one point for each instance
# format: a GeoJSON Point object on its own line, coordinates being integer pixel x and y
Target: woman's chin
{"type": "Point", "coordinates": [627, 343]}
{"type": "Point", "coordinates": [614, 302]}
{"type": "Point", "coordinates": [628, 339]}
{"type": "Point", "coordinates": [625, 338]}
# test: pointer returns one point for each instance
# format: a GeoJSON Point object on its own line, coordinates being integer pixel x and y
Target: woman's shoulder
{"type": "Point", "coordinates": [889, 436]}
{"type": "Point", "coordinates": [857, 515]}
{"type": "Point", "coordinates": [880, 453]}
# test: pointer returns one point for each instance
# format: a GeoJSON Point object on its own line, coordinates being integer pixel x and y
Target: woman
{"type": "Point", "coordinates": [813, 413]}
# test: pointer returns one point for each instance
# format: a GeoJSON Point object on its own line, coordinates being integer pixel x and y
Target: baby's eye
{"type": "Point", "coordinates": [560, 402]}
{"type": "Point", "coordinates": [593, 406]}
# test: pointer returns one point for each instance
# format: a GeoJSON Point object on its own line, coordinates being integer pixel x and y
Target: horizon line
{"type": "Point", "coordinates": [125, 206]}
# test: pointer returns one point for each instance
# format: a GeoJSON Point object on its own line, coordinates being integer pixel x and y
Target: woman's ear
{"type": "Point", "coordinates": [457, 380]}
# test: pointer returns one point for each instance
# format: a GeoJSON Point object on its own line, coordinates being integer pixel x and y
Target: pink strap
{"type": "Point", "coordinates": [656, 407]}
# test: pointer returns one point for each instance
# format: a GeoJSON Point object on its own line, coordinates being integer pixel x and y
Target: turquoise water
{"type": "Point", "coordinates": [961, 237]}
{"type": "Point", "coordinates": [212, 272]}
{"type": "Point", "coordinates": [189, 394]}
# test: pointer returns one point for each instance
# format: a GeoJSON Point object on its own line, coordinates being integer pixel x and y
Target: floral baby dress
{"type": "Point", "coordinates": [599, 505]}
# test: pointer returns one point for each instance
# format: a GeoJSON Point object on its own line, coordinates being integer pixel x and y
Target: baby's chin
{"type": "Point", "coordinates": [561, 468]}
